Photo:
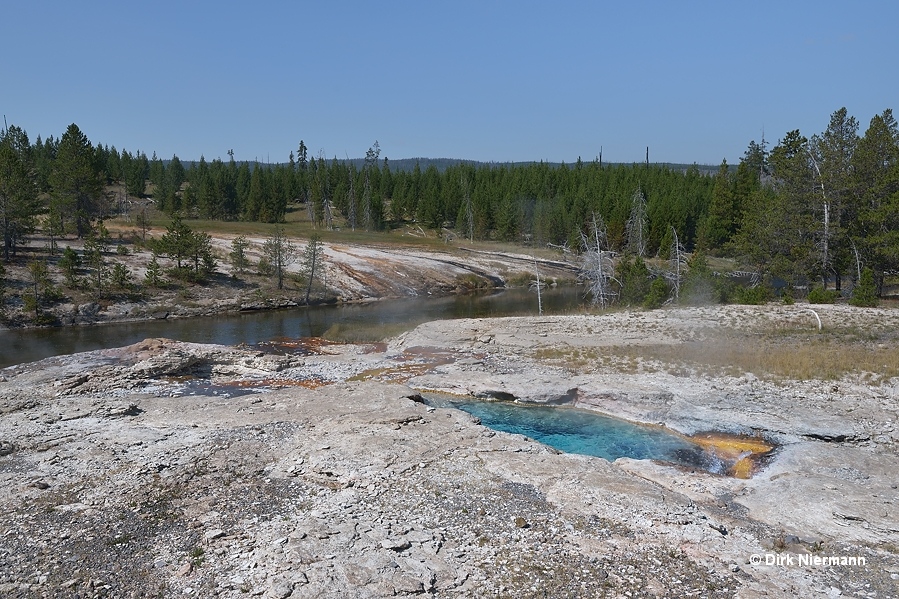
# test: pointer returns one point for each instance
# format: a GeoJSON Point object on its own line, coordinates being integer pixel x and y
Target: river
{"type": "Point", "coordinates": [362, 322]}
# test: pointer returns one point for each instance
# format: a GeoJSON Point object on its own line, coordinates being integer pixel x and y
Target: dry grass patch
{"type": "Point", "coordinates": [587, 360]}
{"type": "Point", "coordinates": [818, 360]}
{"type": "Point", "coordinates": [777, 357]}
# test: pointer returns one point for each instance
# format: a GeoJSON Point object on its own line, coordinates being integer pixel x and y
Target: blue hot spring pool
{"type": "Point", "coordinates": [581, 431]}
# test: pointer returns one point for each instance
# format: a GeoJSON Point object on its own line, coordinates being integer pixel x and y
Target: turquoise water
{"type": "Point", "coordinates": [580, 431]}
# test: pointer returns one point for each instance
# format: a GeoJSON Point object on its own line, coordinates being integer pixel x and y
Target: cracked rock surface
{"type": "Point", "coordinates": [120, 476]}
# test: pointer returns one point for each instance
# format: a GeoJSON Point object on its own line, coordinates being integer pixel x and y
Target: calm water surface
{"type": "Point", "coordinates": [371, 321]}
{"type": "Point", "coordinates": [582, 431]}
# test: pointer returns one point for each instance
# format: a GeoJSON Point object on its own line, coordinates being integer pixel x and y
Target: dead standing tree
{"type": "Point", "coordinates": [636, 225]}
{"type": "Point", "coordinates": [537, 285]}
{"type": "Point", "coordinates": [597, 271]}
{"type": "Point", "coordinates": [824, 243]}
{"type": "Point", "coordinates": [678, 261]}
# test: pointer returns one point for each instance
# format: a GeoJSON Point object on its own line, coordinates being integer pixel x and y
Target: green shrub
{"type": "Point", "coordinates": [726, 290]}
{"type": "Point", "coordinates": [472, 281]}
{"type": "Point", "coordinates": [69, 265]}
{"type": "Point", "coordinates": [153, 277]}
{"type": "Point", "coordinates": [635, 281]}
{"type": "Point", "coordinates": [753, 296]}
{"type": "Point", "coordinates": [121, 276]}
{"type": "Point", "coordinates": [658, 294]}
{"type": "Point", "coordinates": [865, 293]}
{"type": "Point", "coordinates": [264, 267]}
{"type": "Point", "coordinates": [699, 287]}
{"type": "Point", "coordinates": [520, 279]}
{"type": "Point", "coordinates": [819, 295]}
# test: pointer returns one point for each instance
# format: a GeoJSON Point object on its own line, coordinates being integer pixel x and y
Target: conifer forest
{"type": "Point", "coordinates": [813, 211]}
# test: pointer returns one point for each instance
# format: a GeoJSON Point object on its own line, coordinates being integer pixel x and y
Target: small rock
{"type": "Point", "coordinates": [521, 522]}
{"type": "Point", "coordinates": [281, 588]}
{"type": "Point", "coordinates": [215, 533]}
{"type": "Point", "coordinates": [395, 544]}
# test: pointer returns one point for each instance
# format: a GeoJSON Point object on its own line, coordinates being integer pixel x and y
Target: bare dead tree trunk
{"type": "Point", "coordinates": [538, 285]}
{"type": "Point", "coordinates": [597, 270]}
{"type": "Point", "coordinates": [311, 277]}
{"type": "Point", "coordinates": [825, 241]}
{"type": "Point", "coordinates": [329, 219]}
{"type": "Point", "coordinates": [677, 262]}
{"type": "Point", "coordinates": [636, 225]}
{"type": "Point", "coordinates": [310, 209]}
{"type": "Point", "coordinates": [858, 263]}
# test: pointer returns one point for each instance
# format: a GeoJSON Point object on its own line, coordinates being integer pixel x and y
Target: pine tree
{"type": "Point", "coordinates": [69, 263]}
{"type": "Point", "coordinates": [876, 190]}
{"type": "Point", "coordinates": [351, 200]}
{"type": "Point", "coordinates": [280, 253]}
{"type": "Point", "coordinates": [832, 153]}
{"type": "Point", "coordinates": [94, 248]}
{"type": "Point", "coordinates": [76, 184]}
{"type": "Point", "coordinates": [718, 225]}
{"type": "Point", "coordinates": [153, 277]}
{"type": "Point", "coordinates": [121, 276]}
{"type": "Point", "coordinates": [256, 196]}
{"type": "Point", "coordinates": [38, 282]}
{"type": "Point", "coordinates": [19, 203]}
{"type": "Point", "coordinates": [238, 254]}
{"type": "Point", "coordinates": [182, 244]}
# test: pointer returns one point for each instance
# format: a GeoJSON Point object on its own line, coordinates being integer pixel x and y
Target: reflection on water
{"type": "Point", "coordinates": [580, 431]}
{"type": "Point", "coordinates": [388, 317]}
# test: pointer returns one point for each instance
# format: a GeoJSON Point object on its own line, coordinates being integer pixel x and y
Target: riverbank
{"type": "Point", "coordinates": [351, 273]}
{"type": "Point", "coordinates": [310, 468]}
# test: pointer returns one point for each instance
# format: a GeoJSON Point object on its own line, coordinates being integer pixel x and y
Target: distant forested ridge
{"type": "Point", "coordinates": [811, 208]}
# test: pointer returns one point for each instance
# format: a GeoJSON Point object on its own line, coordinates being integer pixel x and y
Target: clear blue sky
{"type": "Point", "coordinates": [481, 80]}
